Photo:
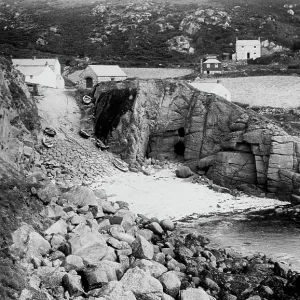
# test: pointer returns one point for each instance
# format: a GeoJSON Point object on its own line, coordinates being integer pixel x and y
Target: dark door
{"type": "Point", "coordinates": [89, 82]}
{"type": "Point", "coordinates": [248, 55]}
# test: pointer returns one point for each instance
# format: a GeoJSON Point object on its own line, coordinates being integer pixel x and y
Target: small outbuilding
{"type": "Point", "coordinates": [212, 66]}
{"type": "Point", "coordinates": [212, 88]}
{"type": "Point", "coordinates": [94, 74]}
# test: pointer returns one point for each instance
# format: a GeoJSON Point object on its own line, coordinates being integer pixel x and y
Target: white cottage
{"type": "Point", "coordinates": [42, 75]}
{"type": "Point", "coordinates": [43, 71]}
{"type": "Point", "coordinates": [246, 49]}
{"type": "Point", "coordinates": [212, 88]}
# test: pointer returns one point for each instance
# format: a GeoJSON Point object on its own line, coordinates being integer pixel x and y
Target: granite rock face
{"type": "Point", "coordinates": [166, 119]}
{"type": "Point", "coordinates": [18, 118]}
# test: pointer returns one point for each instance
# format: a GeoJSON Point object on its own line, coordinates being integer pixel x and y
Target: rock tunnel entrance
{"type": "Point", "coordinates": [114, 104]}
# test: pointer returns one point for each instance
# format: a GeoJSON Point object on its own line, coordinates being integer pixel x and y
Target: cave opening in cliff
{"type": "Point", "coordinates": [181, 132]}
{"type": "Point", "coordinates": [112, 105]}
{"type": "Point", "coordinates": [179, 148]}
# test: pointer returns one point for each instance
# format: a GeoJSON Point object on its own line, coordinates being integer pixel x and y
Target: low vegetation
{"type": "Point", "coordinates": [136, 34]}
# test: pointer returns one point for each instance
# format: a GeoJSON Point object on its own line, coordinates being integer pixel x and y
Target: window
{"type": "Point", "coordinates": [242, 46]}
{"type": "Point", "coordinates": [216, 65]}
{"type": "Point", "coordinates": [208, 66]}
{"type": "Point", "coordinates": [254, 46]}
{"type": "Point", "coordinates": [31, 76]}
{"type": "Point", "coordinates": [254, 53]}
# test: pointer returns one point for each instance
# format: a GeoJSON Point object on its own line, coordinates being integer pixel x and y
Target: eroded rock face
{"type": "Point", "coordinates": [18, 118]}
{"type": "Point", "coordinates": [169, 119]}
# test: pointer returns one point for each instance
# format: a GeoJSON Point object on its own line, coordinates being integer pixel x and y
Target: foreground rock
{"type": "Point", "coordinates": [119, 255]}
{"type": "Point", "coordinates": [142, 284]}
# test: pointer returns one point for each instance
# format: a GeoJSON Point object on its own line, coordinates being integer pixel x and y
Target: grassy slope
{"type": "Point", "coordinates": [144, 46]}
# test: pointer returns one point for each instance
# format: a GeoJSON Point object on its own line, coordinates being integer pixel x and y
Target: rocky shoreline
{"type": "Point", "coordinates": [98, 249]}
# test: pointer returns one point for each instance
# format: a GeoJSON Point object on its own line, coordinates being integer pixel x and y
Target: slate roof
{"type": "Point", "coordinates": [108, 71]}
{"type": "Point", "coordinates": [248, 42]}
{"type": "Point", "coordinates": [31, 70]}
{"type": "Point", "coordinates": [208, 87]}
{"type": "Point", "coordinates": [212, 61]}
{"type": "Point", "coordinates": [33, 61]}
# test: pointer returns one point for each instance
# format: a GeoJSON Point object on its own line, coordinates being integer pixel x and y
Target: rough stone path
{"type": "Point", "coordinates": [73, 160]}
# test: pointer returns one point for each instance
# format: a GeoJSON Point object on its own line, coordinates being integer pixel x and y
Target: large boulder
{"type": "Point", "coordinates": [47, 193]}
{"type": "Point", "coordinates": [118, 232]}
{"type": "Point", "coordinates": [49, 277]}
{"type": "Point", "coordinates": [114, 290]}
{"type": "Point", "coordinates": [167, 224]}
{"type": "Point", "coordinates": [73, 262]}
{"type": "Point", "coordinates": [88, 243]}
{"type": "Point", "coordinates": [27, 243]}
{"type": "Point", "coordinates": [59, 227]}
{"type": "Point", "coordinates": [141, 248]}
{"type": "Point", "coordinates": [194, 294]}
{"type": "Point", "coordinates": [81, 196]}
{"type": "Point", "coordinates": [142, 284]}
{"type": "Point", "coordinates": [104, 272]}
{"type": "Point", "coordinates": [184, 172]}
{"type": "Point", "coordinates": [154, 268]}
{"type": "Point", "coordinates": [73, 284]}
{"type": "Point", "coordinates": [171, 283]}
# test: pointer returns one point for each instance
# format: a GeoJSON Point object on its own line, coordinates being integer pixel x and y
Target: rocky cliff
{"type": "Point", "coordinates": [170, 119]}
{"type": "Point", "coordinates": [19, 120]}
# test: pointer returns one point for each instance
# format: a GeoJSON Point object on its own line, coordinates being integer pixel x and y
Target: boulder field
{"type": "Point", "coordinates": [96, 249]}
{"type": "Point", "coordinates": [170, 119]}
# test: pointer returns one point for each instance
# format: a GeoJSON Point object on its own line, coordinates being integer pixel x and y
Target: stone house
{"type": "Point", "coordinates": [216, 88]}
{"type": "Point", "coordinates": [94, 74]}
{"type": "Point", "coordinates": [247, 49]}
{"type": "Point", "coordinates": [212, 66]}
{"type": "Point", "coordinates": [42, 71]}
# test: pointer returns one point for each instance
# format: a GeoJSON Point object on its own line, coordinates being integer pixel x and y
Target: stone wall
{"type": "Point", "coordinates": [234, 147]}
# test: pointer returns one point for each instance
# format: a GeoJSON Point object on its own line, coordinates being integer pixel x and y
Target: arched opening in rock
{"type": "Point", "coordinates": [179, 148]}
{"type": "Point", "coordinates": [111, 107]}
{"type": "Point", "coordinates": [181, 132]}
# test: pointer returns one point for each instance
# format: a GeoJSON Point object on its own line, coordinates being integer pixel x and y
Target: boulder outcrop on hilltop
{"type": "Point", "coordinates": [169, 119]}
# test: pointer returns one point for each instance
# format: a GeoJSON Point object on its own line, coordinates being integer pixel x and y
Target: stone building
{"type": "Point", "coordinates": [246, 49]}
{"type": "Point", "coordinates": [212, 66]}
{"type": "Point", "coordinates": [94, 74]}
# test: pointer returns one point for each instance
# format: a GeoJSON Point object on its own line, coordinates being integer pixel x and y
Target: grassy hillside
{"type": "Point", "coordinates": [140, 33]}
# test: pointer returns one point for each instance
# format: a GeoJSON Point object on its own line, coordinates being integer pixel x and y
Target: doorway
{"type": "Point", "coordinates": [89, 82]}
{"type": "Point", "coordinates": [248, 55]}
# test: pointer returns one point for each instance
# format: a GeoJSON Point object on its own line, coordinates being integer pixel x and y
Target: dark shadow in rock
{"type": "Point", "coordinates": [179, 148]}
{"type": "Point", "coordinates": [181, 132]}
